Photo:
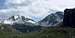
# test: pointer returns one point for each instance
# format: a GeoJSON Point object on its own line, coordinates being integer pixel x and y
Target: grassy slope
{"type": "Point", "coordinates": [46, 33]}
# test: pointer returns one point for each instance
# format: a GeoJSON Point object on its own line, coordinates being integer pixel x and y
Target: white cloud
{"type": "Point", "coordinates": [61, 4]}
{"type": "Point", "coordinates": [30, 8]}
{"type": "Point", "coordinates": [36, 8]}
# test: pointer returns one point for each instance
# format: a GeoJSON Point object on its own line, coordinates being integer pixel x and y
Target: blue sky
{"type": "Point", "coordinates": [2, 4]}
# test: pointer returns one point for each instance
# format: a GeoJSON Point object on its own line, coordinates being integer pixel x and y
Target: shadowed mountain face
{"type": "Point", "coordinates": [69, 17]}
{"type": "Point", "coordinates": [26, 28]}
{"type": "Point", "coordinates": [52, 19]}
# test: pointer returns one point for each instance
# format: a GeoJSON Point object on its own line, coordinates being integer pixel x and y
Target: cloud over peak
{"type": "Point", "coordinates": [35, 8]}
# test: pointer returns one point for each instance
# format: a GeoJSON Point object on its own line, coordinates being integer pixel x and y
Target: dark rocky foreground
{"type": "Point", "coordinates": [69, 18]}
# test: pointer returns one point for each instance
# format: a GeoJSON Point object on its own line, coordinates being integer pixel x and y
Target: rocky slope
{"type": "Point", "coordinates": [52, 19]}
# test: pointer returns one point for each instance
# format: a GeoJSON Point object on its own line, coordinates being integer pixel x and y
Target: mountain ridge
{"type": "Point", "coordinates": [52, 19]}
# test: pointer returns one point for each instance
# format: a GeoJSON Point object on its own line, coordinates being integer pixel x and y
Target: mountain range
{"type": "Point", "coordinates": [24, 24]}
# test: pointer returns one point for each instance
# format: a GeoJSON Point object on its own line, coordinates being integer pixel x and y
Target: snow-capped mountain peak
{"type": "Point", "coordinates": [18, 19]}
